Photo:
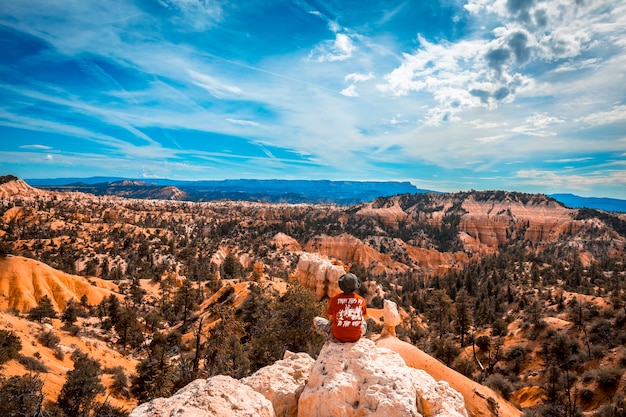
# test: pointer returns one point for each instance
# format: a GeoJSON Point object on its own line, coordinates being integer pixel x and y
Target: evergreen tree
{"type": "Point", "coordinates": [21, 396]}
{"type": "Point", "coordinates": [128, 329]}
{"type": "Point", "coordinates": [440, 311]}
{"type": "Point", "coordinates": [462, 315]}
{"type": "Point", "coordinates": [44, 309]}
{"type": "Point", "coordinates": [231, 267]}
{"type": "Point", "coordinates": [71, 313]}
{"type": "Point", "coordinates": [224, 353]}
{"type": "Point", "coordinates": [136, 293]}
{"type": "Point", "coordinates": [293, 315]}
{"type": "Point", "coordinates": [185, 301]}
{"type": "Point", "coordinates": [113, 309]}
{"type": "Point", "coordinates": [155, 375]}
{"type": "Point", "coordinates": [81, 387]}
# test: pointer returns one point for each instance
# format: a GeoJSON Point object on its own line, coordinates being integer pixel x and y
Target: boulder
{"type": "Point", "coordinates": [283, 382]}
{"type": "Point", "coordinates": [359, 379]}
{"type": "Point", "coordinates": [219, 396]}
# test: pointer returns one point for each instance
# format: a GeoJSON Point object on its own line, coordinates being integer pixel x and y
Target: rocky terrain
{"type": "Point", "coordinates": [513, 291]}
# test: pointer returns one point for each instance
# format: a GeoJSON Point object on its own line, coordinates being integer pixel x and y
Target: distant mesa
{"type": "Point", "coordinates": [274, 191]}
{"type": "Point", "coordinates": [271, 191]}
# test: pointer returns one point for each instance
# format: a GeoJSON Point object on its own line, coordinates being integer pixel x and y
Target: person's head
{"type": "Point", "coordinates": [349, 283]}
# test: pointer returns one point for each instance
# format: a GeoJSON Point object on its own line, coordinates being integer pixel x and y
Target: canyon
{"type": "Point", "coordinates": [406, 247]}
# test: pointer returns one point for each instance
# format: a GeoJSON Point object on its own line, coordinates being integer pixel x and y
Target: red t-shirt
{"type": "Point", "coordinates": [348, 311]}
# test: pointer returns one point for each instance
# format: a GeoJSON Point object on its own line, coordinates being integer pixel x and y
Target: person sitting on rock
{"type": "Point", "coordinates": [347, 313]}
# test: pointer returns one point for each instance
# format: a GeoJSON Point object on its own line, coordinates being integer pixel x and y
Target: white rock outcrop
{"type": "Point", "coordinates": [347, 380]}
{"type": "Point", "coordinates": [359, 379]}
{"type": "Point", "coordinates": [391, 318]}
{"type": "Point", "coordinates": [218, 396]}
{"type": "Point", "coordinates": [283, 382]}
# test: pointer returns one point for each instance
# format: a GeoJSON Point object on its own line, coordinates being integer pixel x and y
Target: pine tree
{"type": "Point", "coordinates": [44, 309]}
{"type": "Point", "coordinates": [440, 311]}
{"type": "Point", "coordinates": [463, 315]}
{"type": "Point", "coordinates": [21, 396]}
{"type": "Point", "coordinates": [128, 329]}
{"type": "Point", "coordinates": [79, 392]}
{"type": "Point", "coordinates": [185, 301]}
{"type": "Point", "coordinates": [224, 353]}
{"type": "Point", "coordinates": [155, 374]}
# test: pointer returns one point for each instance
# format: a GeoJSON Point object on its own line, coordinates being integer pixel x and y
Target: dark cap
{"type": "Point", "coordinates": [349, 283]}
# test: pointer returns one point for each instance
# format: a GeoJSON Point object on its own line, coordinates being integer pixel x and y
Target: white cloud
{"type": "Point", "coordinates": [213, 86]}
{"type": "Point", "coordinates": [489, 139]}
{"type": "Point", "coordinates": [537, 125]}
{"type": "Point", "coordinates": [196, 15]}
{"type": "Point", "coordinates": [560, 180]}
{"type": "Point", "coordinates": [350, 91]}
{"type": "Point", "coordinates": [615, 115]}
{"type": "Point", "coordinates": [577, 65]}
{"type": "Point", "coordinates": [570, 160]}
{"type": "Point", "coordinates": [488, 71]}
{"type": "Point", "coordinates": [36, 147]}
{"type": "Point", "coordinates": [338, 50]}
{"type": "Point", "coordinates": [358, 77]}
{"type": "Point", "coordinates": [244, 122]}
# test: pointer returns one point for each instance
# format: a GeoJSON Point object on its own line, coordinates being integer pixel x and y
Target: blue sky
{"type": "Point", "coordinates": [522, 95]}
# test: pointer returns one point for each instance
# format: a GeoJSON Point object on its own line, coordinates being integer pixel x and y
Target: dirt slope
{"type": "Point", "coordinates": [24, 281]}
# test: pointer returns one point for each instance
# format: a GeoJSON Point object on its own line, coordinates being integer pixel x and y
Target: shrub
{"type": "Point", "coordinates": [483, 343]}
{"type": "Point", "coordinates": [5, 249]}
{"type": "Point", "coordinates": [499, 328]}
{"type": "Point", "coordinates": [48, 339]}
{"type": "Point", "coordinates": [499, 383]}
{"type": "Point", "coordinates": [58, 353]}
{"type": "Point", "coordinates": [72, 329]}
{"type": "Point", "coordinates": [119, 386]}
{"type": "Point", "coordinates": [586, 395]}
{"type": "Point", "coordinates": [617, 408]}
{"type": "Point", "coordinates": [10, 346]}
{"type": "Point", "coordinates": [464, 366]}
{"type": "Point", "coordinates": [32, 364]}
{"type": "Point", "coordinates": [515, 358]}
{"type": "Point", "coordinates": [608, 377]}
{"type": "Point", "coordinates": [598, 352]}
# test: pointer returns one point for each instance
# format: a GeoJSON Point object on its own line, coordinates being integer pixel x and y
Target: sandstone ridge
{"type": "Point", "coordinates": [350, 379]}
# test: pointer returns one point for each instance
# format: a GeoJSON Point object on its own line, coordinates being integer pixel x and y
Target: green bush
{"type": "Point", "coordinates": [499, 383]}
{"type": "Point", "coordinates": [608, 377]}
{"type": "Point", "coordinates": [48, 339]}
{"type": "Point", "coordinates": [586, 395]}
{"type": "Point", "coordinates": [32, 364]}
{"type": "Point", "coordinates": [10, 346]}
{"type": "Point", "coordinates": [483, 343]}
{"type": "Point", "coordinates": [464, 366]}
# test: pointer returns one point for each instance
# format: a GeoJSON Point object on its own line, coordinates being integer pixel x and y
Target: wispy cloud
{"type": "Point", "coordinates": [614, 115]}
{"type": "Point", "coordinates": [497, 91]}
{"type": "Point", "coordinates": [339, 49]}
{"type": "Point", "coordinates": [36, 147]}
{"type": "Point", "coordinates": [210, 84]}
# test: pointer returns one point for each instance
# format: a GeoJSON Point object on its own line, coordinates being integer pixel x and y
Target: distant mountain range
{"type": "Point", "coordinates": [274, 191]}
{"type": "Point", "coordinates": [287, 191]}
